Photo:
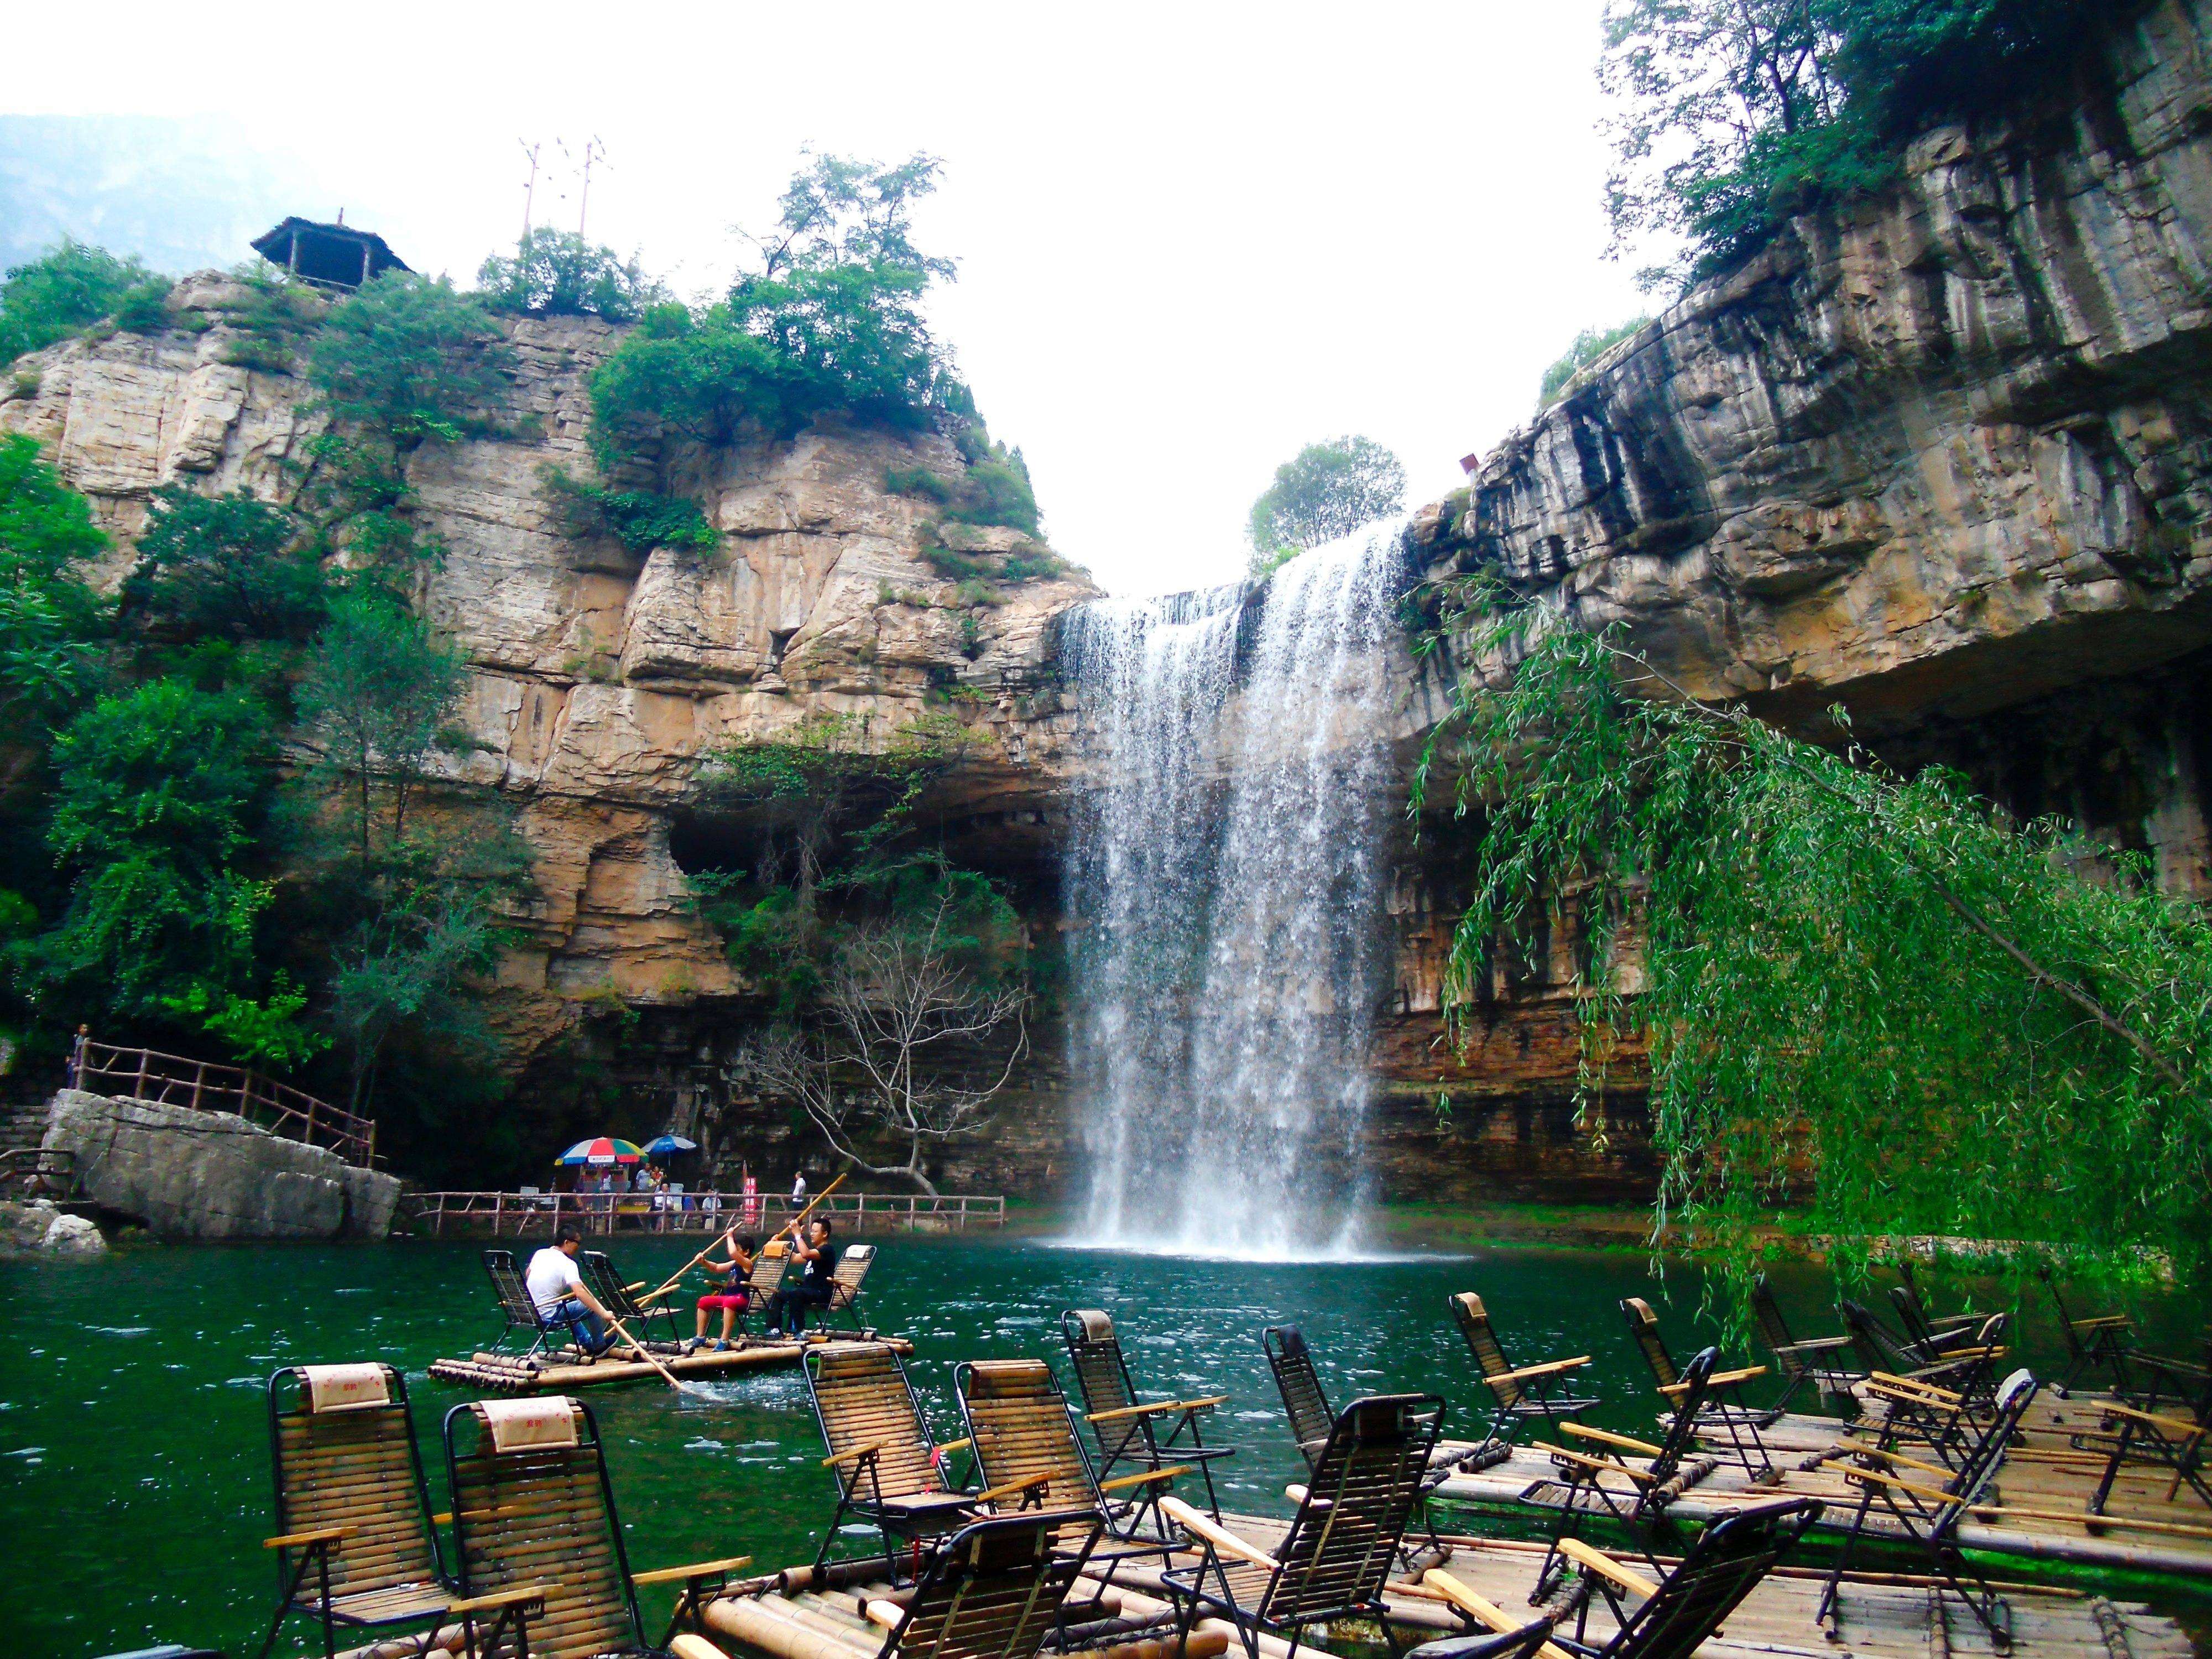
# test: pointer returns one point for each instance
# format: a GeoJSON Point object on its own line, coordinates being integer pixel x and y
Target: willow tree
{"type": "Point", "coordinates": [1880, 986]}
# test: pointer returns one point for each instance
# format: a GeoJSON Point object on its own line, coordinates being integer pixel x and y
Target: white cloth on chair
{"type": "Point", "coordinates": [346, 1387]}
{"type": "Point", "coordinates": [515, 1424]}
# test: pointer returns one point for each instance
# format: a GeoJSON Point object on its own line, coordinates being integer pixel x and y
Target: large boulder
{"type": "Point", "coordinates": [40, 1224]}
{"type": "Point", "coordinates": [191, 1173]}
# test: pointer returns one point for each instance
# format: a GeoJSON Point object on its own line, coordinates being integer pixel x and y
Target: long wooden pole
{"type": "Point", "coordinates": [674, 1382]}
{"type": "Point", "coordinates": [821, 1198]}
{"type": "Point", "coordinates": [669, 1283]}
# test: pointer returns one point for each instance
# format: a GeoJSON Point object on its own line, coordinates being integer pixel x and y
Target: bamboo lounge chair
{"type": "Point", "coordinates": [1929, 1515]}
{"type": "Point", "coordinates": [356, 1543]}
{"type": "Point", "coordinates": [1730, 1414]}
{"type": "Point", "coordinates": [854, 1262]}
{"type": "Point", "coordinates": [887, 1468]}
{"type": "Point", "coordinates": [1816, 1360]}
{"type": "Point", "coordinates": [1672, 1618]}
{"type": "Point", "coordinates": [538, 1544]}
{"type": "Point", "coordinates": [764, 1281]}
{"type": "Point", "coordinates": [2155, 1438]}
{"type": "Point", "coordinates": [2106, 1342]}
{"type": "Point", "coordinates": [620, 1300]}
{"type": "Point", "coordinates": [1128, 1432]}
{"type": "Point", "coordinates": [1026, 1451]}
{"type": "Point", "coordinates": [1342, 1543]}
{"type": "Point", "coordinates": [1580, 1490]}
{"type": "Point", "coordinates": [1936, 1403]}
{"type": "Point", "coordinates": [1523, 1393]}
{"type": "Point", "coordinates": [1299, 1384]}
{"type": "Point", "coordinates": [521, 1312]}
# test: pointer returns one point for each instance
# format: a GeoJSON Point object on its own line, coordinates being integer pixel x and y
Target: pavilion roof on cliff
{"type": "Point", "coordinates": [338, 256]}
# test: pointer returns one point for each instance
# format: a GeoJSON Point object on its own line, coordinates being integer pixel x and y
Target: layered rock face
{"type": "Point", "coordinates": [1945, 457]}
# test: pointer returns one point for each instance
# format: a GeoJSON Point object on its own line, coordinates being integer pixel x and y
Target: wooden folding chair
{"type": "Point", "coordinates": [1817, 1361]}
{"type": "Point", "coordinates": [1128, 1432]}
{"type": "Point", "coordinates": [887, 1467]}
{"type": "Point", "coordinates": [1027, 1454]}
{"type": "Point", "coordinates": [1728, 1414]}
{"type": "Point", "coordinates": [1522, 1392]}
{"type": "Point", "coordinates": [854, 1263]}
{"type": "Point", "coordinates": [620, 1300]}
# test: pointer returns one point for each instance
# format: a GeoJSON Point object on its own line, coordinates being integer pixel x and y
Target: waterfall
{"type": "Point", "coordinates": [1227, 881]}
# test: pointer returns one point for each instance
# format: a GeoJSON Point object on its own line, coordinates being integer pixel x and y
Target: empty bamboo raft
{"type": "Point", "coordinates": [791, 1615]}
{"type": "Point", "coordinates": [563, 1371]}
{"type": "Point", "coordinates": [2043, 1485]}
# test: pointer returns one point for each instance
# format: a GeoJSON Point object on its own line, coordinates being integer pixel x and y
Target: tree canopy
{"type": "Point", "coordinates": [1326, 490]}
{"type": "Point", "coordinates": [556, 273]}
{"type": "Point", "coordinates": [63, 290]}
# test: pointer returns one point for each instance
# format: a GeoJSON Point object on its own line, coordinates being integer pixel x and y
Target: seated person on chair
{"type": "Point", "coordinates": [817, 1260]}
{"type": "Point", "coordinates": [730, 1295]}
{"type": "Point", "coordinates": [557, 1290]}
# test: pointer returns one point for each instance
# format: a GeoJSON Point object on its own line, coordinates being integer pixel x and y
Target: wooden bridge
{"type": "Point", "coordinates": [517, 1213]}
{"type": "Point", "coordinates": [175, 1080]}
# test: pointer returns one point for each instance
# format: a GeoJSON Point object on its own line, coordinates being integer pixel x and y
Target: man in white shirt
{"type": "Point", "coordinates": [799, 1192]}
{"type": "Point", "coordinates": [558, 1292]}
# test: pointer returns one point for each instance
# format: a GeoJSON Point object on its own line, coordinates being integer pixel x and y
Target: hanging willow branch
{"type": "Point", "coordinates": [1875, 996]}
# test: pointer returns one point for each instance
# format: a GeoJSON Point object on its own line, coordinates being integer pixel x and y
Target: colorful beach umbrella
{"type": "Point", "coordinates": [667, 1143]}
{"type": "Point", "coordinates": [602, 1150]}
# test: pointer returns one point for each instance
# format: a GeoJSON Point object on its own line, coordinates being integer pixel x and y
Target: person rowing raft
{"type": "Point", "coordinates": [730, 1294]}
{"type": "Point", "coordinates": [818, 1262]}
{"type": "Point", "coordinates": [558, 1290]}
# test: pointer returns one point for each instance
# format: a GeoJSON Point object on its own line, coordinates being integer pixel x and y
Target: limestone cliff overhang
{"type": "Point", "coordinates": [330, 256]}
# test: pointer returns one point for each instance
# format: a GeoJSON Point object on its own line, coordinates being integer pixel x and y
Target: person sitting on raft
{"type": "Point", "coordinates": [817, 1260]}
{"type": "Point", "coordinates": [731, 1296]}
{"type": "Point", "coordinates": [557, 1290]}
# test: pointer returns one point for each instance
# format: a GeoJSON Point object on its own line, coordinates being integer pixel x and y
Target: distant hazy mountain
{"type": "Point", "coordinates": [182, 194]}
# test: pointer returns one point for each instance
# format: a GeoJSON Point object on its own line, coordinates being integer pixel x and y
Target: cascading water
{"type": "Point", "coordinates": [1226, 870]}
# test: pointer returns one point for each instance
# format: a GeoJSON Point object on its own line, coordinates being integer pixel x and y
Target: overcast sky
{"type": "Point", "coordinates": [1191, 238]}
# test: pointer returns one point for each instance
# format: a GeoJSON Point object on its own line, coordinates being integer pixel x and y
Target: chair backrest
{"type": "Point", "coordinates": [355, 1465]}
{"type": "Point", "coordinates": [767, 1276]}
{"type": "Point", "coordinates": [1681, 1429]}
{"type": "Point", "coordinates": [1722, 1566]}
{"type": "Point", "coordinates": [1978, 1468]}
{"type": "Point", "coordinates": [995, 1590]}
{"type": "Point", "coordinates": [1877, 1350]}
{"type": "Point", "coordinates": [507, 1285]}
{"type": "Point", "coordinates": [1644, 1328]}
{"type": "Point", "coordinates": [1773, 1329]}
{"type": "Point", "coordinates": [1365, 1486]}
{"type": "Point", "coordinates": [607, 1284]}
{"type": "Point", "coordinates": [862, 1397]}
{"type": "Point", "coordinates": [543, 1514]}
{"type": "Point", "coordinates": [2076, 1349]}
{"type": "Point", "coordinates": [1101, 1374]}
{"type": "Point", "coordinates": [1912, 1316]}
{"type": "Point", "coordinates": [852, 1264]}
{"type": "Point", "coordinates": [1017, 1418]}
{"type": "Point", "coordinates": [1299, 1384]}
{"type": "Point", "coordinates": [1473, 1322]}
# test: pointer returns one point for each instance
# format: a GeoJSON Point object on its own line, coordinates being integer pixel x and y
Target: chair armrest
{"type": "Point", "coordinates": [2179, 1426]}
{"type": "Point", "coordinates": [1862, 1476]}
{"type": "Point", "coordinates": [1599, 1562]}
{"type": "Point", "coordinates": [442, 1518]}
{"type": "Point", "coordinates": [1146, 1478]}
{"type": "Point", "coordinates": [1718, 1379]}
{"type": "Point", "coordinates": [506, 1598]}
{"type": "Point", "coordinates": [1815, 1345]}
{"type": "Point", "coordinates": [1596, 1463]}
{"type": "Point", "coordinates": [697, 1570]}
{"type": "Point", "coordinates": [1482, 1612]}
{"type": "Point", "coordinates": [1011, 1487]}
{"type": "Point", "coordinates": [1224, 1540]}
{"type": "Point", "coordinates": [293, 1540]}
{"type": "Point", "coordinates": [1864, 1450]}
{"type": "Point", "coordinates": [1161, 1409]}
{"type": "Point", "coordinates": [688, 1646]}
{"type": "Point", "coordinates": [2104, 1322]}
{"type": "Point", "coordinates": [953, 1446]}
{"type": "Point", "coordinates": [853, 1456]}
{"type": "Point", "coordinates": [1607, 1438]}
{"type": "Point", "coordinates": [883, 1611]}
{"type": "Point", "coordinates": [1549, 1368]}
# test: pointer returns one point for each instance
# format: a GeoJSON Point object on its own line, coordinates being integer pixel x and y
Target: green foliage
{"type": "Point", "coordinates": [412, 359]}
{"type": "Point", "coordinates": [917, 481]}
{"type": "Point", "coordinates": [158, 792]}
{"type": "Point", "coordinates": [49, 616]}
{"type": "Point", "coordinates": [1326, 490]}
{"type": "Point", "coordinates": [63, 290]}
{"type": "Point", "coordinates": [227, 567]}
{"type": "Point", "coordinates": [1732, 116]}
{"type": "Point", "coordinates": [143, 309]}
{"type": "Point", "coordinates": [265, 1032]}
{"type": "Point", "coordinates": [830, 321]}
{"type": "Point", "coordinates": [273, 321]}
{"type": "Point", "coordinates": [1590, 345]}
{"type": "Point", "coordinates": [556, 273]}
{"type": "Point", "coordinates": [641, 520]}
{"type": "Point", "coordinates": [1882, 976]}
{"type": "Point", "coordinates": [377, 693]}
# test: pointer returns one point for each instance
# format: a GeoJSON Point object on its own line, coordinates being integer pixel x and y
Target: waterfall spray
{"type": "Point", "coordinates": [1226, 867]}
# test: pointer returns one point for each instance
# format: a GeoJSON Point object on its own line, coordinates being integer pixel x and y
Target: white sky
{"type": "Point", "coordinates": [1192, 237]}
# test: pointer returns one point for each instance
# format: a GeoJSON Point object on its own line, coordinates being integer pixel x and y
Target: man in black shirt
{"type": "Point", "coordinates": [817, 1262]}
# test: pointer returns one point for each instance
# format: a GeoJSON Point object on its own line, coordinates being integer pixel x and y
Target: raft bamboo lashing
{"type": "Point", "coordinates": [564, 1372]}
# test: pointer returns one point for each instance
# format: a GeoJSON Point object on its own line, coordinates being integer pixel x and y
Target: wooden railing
{"type": "Point", "coordinates": [176, 1080]}
{"type": "Point", "coordinates": [855, 1213]}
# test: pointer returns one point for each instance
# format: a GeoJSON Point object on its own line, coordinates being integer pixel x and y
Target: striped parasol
{"type": "Point", "coordinates": [600, 1151]}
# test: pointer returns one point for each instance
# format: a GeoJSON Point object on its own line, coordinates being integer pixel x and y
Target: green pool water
{"type": "Point", "coordinates": [133, 1429]}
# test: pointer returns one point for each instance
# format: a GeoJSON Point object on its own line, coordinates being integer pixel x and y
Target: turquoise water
{"type": "Point", "coordinates": [133, 1428]}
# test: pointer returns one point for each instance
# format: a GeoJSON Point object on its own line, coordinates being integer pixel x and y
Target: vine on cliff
{"type": "Point", "coordinates": [1880, 980]}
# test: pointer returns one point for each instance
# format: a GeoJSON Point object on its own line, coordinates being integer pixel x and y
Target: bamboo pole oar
{"type": "Point", "coordinates": [644, 1353]}
{"type": "Point", "coordinates": [669, 1283]}
{"type": "Point", "coordinates": [800, 1220]}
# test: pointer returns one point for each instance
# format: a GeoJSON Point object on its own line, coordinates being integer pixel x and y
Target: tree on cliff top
{"type": "Point", "coordinates": [556, 273]}
{"type": "Point", "coordinates": [1881, 977]}
{"type": "Point", "coordinates": [1326, 490]}
{"type": "Point", "coordinates": [1731, 115]}
{"type": "Point", "coordinates": [64, 289]}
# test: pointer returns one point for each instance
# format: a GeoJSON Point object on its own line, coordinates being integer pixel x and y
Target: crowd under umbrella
{"type": "Point", "coordinates": [602, 1152]}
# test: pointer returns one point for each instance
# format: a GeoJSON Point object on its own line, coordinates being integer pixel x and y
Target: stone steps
{"type": "Point", "coordinates": [22, 1126]}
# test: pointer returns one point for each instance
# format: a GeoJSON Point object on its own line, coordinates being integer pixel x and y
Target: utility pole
{"type": "Point", "coordinates": [594, 151]}
{"type": "Point", "coordinates": [530, 188]}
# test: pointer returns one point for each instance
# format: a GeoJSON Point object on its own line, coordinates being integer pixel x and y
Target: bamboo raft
{"type": "Point", "coordinates": [2042, 1485]}
{"type": "Point", "coordinates": [799, 1613]}
{"type": "Point", "coordinates": [564, 1371]}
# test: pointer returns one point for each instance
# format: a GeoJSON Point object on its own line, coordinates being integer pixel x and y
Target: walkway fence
{"type": "Point", "coordinates": [174, 1080]}
{"type": "Point", "coordinates": [517, 1213]}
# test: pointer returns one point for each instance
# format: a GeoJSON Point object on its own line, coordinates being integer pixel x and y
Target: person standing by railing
{"type": "Point", "coordinates": [76, 1057]}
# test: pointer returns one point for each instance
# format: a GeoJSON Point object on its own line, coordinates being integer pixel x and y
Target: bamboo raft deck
{"type": "Point", "coordinates": [564, 1371]}
{"type": "Point", "coordinates": [793, 1615]}
{"type": "Point", "coordinates": [2043, 1474]}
